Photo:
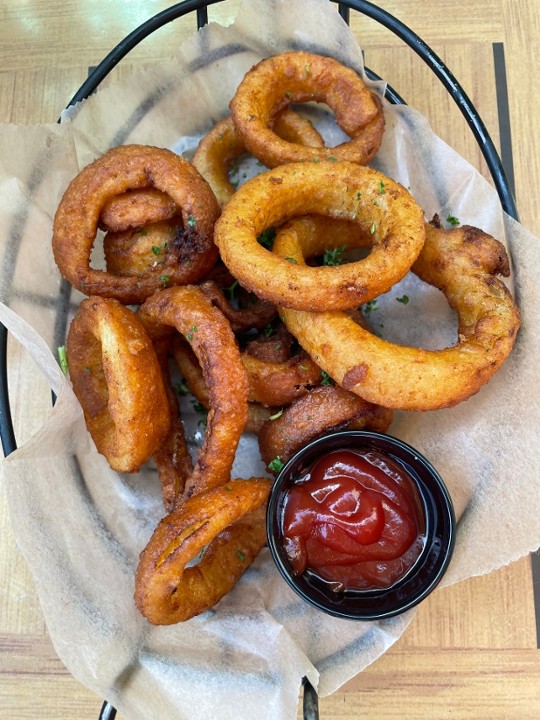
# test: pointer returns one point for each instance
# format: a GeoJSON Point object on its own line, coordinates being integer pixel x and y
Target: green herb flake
{"type": "Point", "coordinates": [181, 388]}
{"type": "Point", "coordinates": [404, 299]}
{"type": "Point", "coordinates": [191, 221]}
{"type": "Point", "coordinates": [288, 95]}
{"type": "Point", "coordinates": [268, 331]}
{"type": "Point", "coordinates": [372, 228]}
{"type": "Point", "coordinates": [164, 279]}
{"type": "Point", "coordinates": [156, 249]}
{"type": "Point", "coordinates": [241, 555]}
{"type": "Point", "coordinates": [87, 370]}
{"type": "Point", "coordinates": [369, 307]}
{"type": "Point", "coordinates": [266, 238]}
{"type": "Point", "coordinates": [201, 410]}
{"type": "Point", "coordinates": [276, 464]}
{"type": "Point", "coordinates": [231, 290]}
{"type": "Point", "coordinates": [334, 256]}
{"type": "Point", "coordinates": [382, 189]}
{"type": "Point", "coordinates": [452, 220]}
{"type": "Point", "coordinates": [292, 260]}
{"type": "Point", "coordinates": [62, 359]}
{"type": "Point", "coordinates": [332, 158]}
{"type": "Point", "coordinates": [276, 415]}
{"type": "Point", "coordinates": [307, 69]}
{"type": "Point", "coordinates": [228, 488]}
{"type": "Point", "coordinates": [326, 379]}
{"type": "Point", "coordinates": [316, 159]}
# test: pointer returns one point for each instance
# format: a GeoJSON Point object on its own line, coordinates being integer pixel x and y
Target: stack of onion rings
{"type": "Point", "coordinates": [122, 169]}
{"type": "Point", "coordinates": [159, 212]}
{"type": "Point", "coordinates": [294, 77]}
{"type": "Point", "coordinates": [383, 210]}
{"type": "Point", "coordinates": [463, 264]}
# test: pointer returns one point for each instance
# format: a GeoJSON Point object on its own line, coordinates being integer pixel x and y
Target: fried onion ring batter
{"type": "Point", "coordinates": [116, 377]}
{"type": "Point", "coordinates": [217, 523]}
{"type": "Point", "coordinates": [210, 336]}
{"type": "Point", "coordinates": [222, 145]}
{"type": "Point", "coordinates": [463, 264]}
{"type": "Point", "coordinates": [124, 168]}
{"type": "Point", "coordinates": [384, 212]}
{"type": "Point", "coordinates": [324, 409]}
{"type": "Point", "coordinates": [294, 77]}
{"type": "Point", "coordinates": [136, 208]}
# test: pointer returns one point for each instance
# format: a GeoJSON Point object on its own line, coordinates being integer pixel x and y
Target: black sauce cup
{"type": "Point", "coordinates": [419, 580]}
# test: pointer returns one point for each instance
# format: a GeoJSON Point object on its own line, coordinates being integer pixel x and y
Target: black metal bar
{"type": "Point", "coordinates": [458, 94]}
{"type": "Point", "coordinates": [202, 17]}
{"type": "Point", "coordinates": [132, 40]}
{"type": "Point", "coordinates": [344, 12]}
{"type": "Point", "coordinates": [108, 712]}
{"type": "Point", "coordinates": [7, 433]}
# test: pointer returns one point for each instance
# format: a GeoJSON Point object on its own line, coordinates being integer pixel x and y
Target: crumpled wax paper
{"type": "Point", "coordinates": [81, 527]}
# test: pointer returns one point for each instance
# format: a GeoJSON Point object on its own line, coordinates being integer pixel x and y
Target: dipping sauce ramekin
{"type": "Point", "coordinates": [437, 528]}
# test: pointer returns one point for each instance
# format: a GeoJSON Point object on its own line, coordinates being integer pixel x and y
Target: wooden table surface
{"type": "Point", "coordinates": [471, 651]}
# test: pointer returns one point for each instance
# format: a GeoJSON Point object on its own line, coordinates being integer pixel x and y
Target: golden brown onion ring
{"type": "Point", "coordinates": [383, 211]}
{"type": "Point", "coordinates": [215, 523]}
{"type": "Point", "coordinates": [271, 384]}
{"type": "Point", "coordinates": [117, 379]}
{"type": "Point", "coordinates": [257, 315]}
{"type": "Point", "coordinates": [463, 264]}
{"type": "Point", "coordinates": [136, 208]}
{"type": "Point", "coordinates": [322, 410]}
{"type": "Point", "coordinates": [302, 77]}
{"type": "Point", "coordinates": [192, 373]}
{"type": "Point", "coordinates": [210, 336]}
{"type": "Point", "coordinates": [140, 251]}
{"type": "Point", "coordinates": [173, 460]}
{"type": "Point", "coordinates": [126, 168]}
{"type": "Point", "coordinates": [222, 145]}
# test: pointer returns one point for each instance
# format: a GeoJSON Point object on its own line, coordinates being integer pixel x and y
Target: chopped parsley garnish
{"type": "Point", "coordinates": [372, 228]}
{"type": "Point", "coordinates": [269, 330]}
{"type": "Point", "coordinates": [201, 410]}
{"type": "Point", "coordinates": [276, 415]}
{"type": "Point", "coordinates": [241, 555]}
{"type": "Point", "coordinates": [369, 307]}
{"type": "Point", "coordinates": [62, 359]}
{"type": "Point", "coordinates": [266, 238]}
{"type": "Point", "coordinates": [452, 220]}
{"type": "Point", "coordinates": [231, 290]}
{"type": "Point", "coordinates": [333, 256]}
{"type": "Point", "coordinates": [189, 335]}
{"type": "Point", "coordinates": [404, 299]}
{"type": "Point", "coordinates": [156, 249]}
{"type": "Point", "coordinates": [276, 464]}
{"type": "Point", "coordinates": [326, 379]}
{"type": "Point", "coordinates": [191, 221]}
{"type": "Point", "coordinates": [316, 159]}
{"type": "Point", "coordinates": [291, 259]}
{"type": "Point", "coordinates": [164, 279]}
{"type": "Point", "coordinates": [181, 388]}
{"type": "Point", "coordinates": [382, 189]}
{"type": "Point", "coordinates": [307, 69]}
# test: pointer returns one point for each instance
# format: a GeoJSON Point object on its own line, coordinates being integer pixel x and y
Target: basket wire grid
{"type": "Point", "coordinates": [200, 8]}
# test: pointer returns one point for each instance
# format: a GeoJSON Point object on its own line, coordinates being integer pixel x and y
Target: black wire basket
{"type": "Point", "coordinates": [200, 8]}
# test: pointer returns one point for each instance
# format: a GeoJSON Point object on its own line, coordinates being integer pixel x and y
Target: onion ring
{"type": "Point", "coordinates": [324, 409]}
{"type": "Point", "coordinates": [210, 336]}
{"type": "Point", "coordinates": [139, 251]}
{"type": "Point", "coordinates": [166, 591]}
{"type": "Point", "coordinates": [136, 208]}
{"type": "Point", "coordinates": [173, 460]}
{"type": "Point", "coordinates": [257, 315]}
{"type": "Point", "coordinates": [302, 77]}
{"type": "Point", "coordinates": [463, 264]}
{"type": "Point", "coordinates": [117, 379]}
{"type": "Point", "coordinates": [271, 384]}
{"type": "Point", "coordinates": [383, 210]}
{"type": "Point", "coordinates": [127, 168]}
{"type": "Point", "coordinates": [222, 145]}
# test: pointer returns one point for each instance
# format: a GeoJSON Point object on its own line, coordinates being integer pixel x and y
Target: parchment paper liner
{"type": "Point", "coordinates": [81, 527]}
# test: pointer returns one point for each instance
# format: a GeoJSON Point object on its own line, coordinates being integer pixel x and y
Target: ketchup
{"type": "Point", "coordinates": [354, 520]}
